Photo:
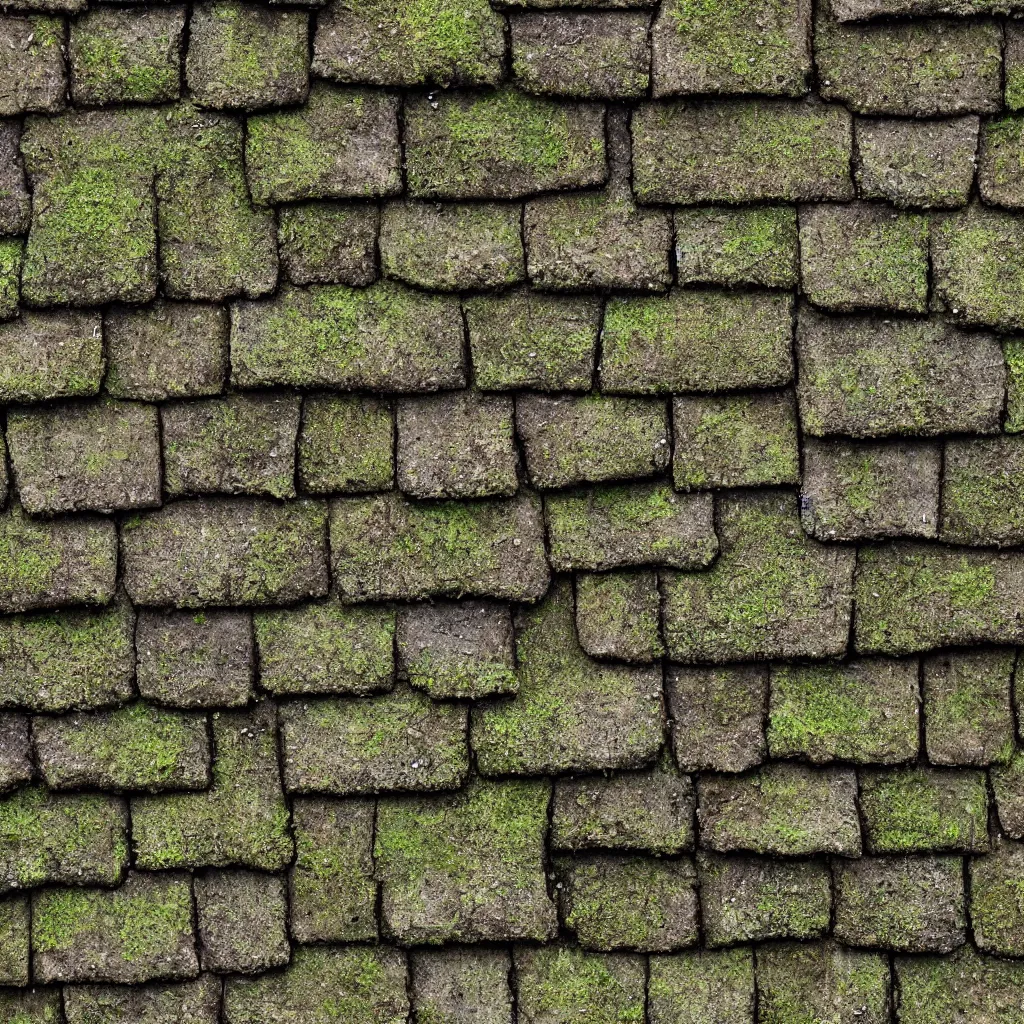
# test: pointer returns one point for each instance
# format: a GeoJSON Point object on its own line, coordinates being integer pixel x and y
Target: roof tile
{"type": "Point", "coordinates": [618, 615]}
{"type": "Point", "coordinates": [15, 202]}
{"type": "Point", "coordinates": [698, 987]}
{"type": "Point", "coordinates": [449, 983]}
{"type": "Point", "coordinates": [982, 491]}
{"type": "Point", "coordinates": [14, 941]}
{"type": "Point", "coordinates": [183, 1002]}
{"type": "Point", "coordinates": [16, 767]}
{"type": "Point", "coordinates": [35, 79]}
{"type": "Point", "coordinates": [50, 355]}
{"type": "Point", "coordinates": [997, 917]}
{"type": "Point", "coordinates": [328, 243]}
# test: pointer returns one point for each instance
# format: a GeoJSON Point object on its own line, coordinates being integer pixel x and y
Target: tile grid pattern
{"type": "Point", "coordinates": [512, 513]}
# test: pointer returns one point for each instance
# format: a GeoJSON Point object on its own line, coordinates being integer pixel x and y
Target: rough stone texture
{"type": "Point", "coordinates": [702, 987]}
{"type": "Point", "coordinates": [85, 457]}
{"type": "Point", "coordinates": [16, 765]}
{"type": "Point", "coordinates": [864, 711]}
{"type": "Point", "coordinates": [866, 377]}
{"type": "Point", "coordinates": [193, 554]}
{"type": "Point", "coordinates": [188, 661]}
{"type": "Point", "coordinates": [997, 916]}
{"type": "Point", "coordinates": [458, 649]}
{"type": "Point", "coordinates": [191, 1002]}
{"type": "Point", "coordinates": [617, 615]}
{"type": "Point", "coordinates": [569, 440]}
{"type": "Point", "coordinates": [570, 712]}
{"type": "Point", "coordinates": [450, 984]}
{"type": "Point", "coordinates": [781, 809]}
{"type": "Point", "coordinates": [328, 243]}
{"type": "Point", "coordinates": [14, 940]}
{"type": "Point", "coordinates": [762, 48]}
{"type": "Point", "coordinates": [982, 488]}
{"type": "Point", "coordinates": [15, 203]}
{"type": "Point", "coordinates": [717, 717]}
{"type": "Point", "coordinates": [772, 592]}
{"type": "Point", "coordinates": [920, 69]}
{"type": "Point", "coordinates": [906, 904]}
{"type": "Point", "coordinates": [341, 144]}
{"type": "Point", "coordinates": [999, 175]}
{"type": "Point", "coordinates": [401, 740]}
{"type": "Point", "coordinates": [50, 355]}
{"type": "Point", "coordinates": [456, 445]}
{"type": "Point", "coordinates": [34, 79]}
{"type": "Point", "coordinates": [385, 547]}
{"type": "Point", "coordinates": [729, 151]}
{"type": "Point", "coordinates": [856, 491]}
{"type": "Point", "coordinates": [913, 163]}
{"type": "Point", "coordinates": [167, 350]}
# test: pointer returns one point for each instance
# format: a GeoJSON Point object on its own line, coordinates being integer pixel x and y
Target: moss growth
{"type": "Point", "coordinates": [702, 987]}
{"type": "Point", "coordinates": [618, 615]}
{"type": "Point", "coordinates": [10, 276]}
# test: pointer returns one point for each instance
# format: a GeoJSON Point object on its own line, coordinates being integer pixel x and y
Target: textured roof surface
{"type": "Point", "coordinates": [512, 513]}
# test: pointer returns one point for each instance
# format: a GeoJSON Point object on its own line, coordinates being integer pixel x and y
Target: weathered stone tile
{"type": "Point", "coordinates": [982, 490]}
{"type": "Point", "coordinates": [332, 892]}
{"type": "Point", "coordinates": [906, 904]}
{"type": "Point", "coordinates": [166, 350]}
{"type": "Point", "coordinates": [782, 809]}
{"type": "Point", "coordinates": [978, 267]}
{"type": "Point", "coordinates": [857, 10]}
{"type": "Point", "coordinates": [93, 235]}
{"type": "Point", "coordinates": [772, 593]}
{"type": "Point", "coordinates": [916, 163]}
{"type": "Point", "coordinates": [525, 339]}
{"type": "Point", "coordinates": [191, 554]}
{"type": "Point", "coordinates": [126, 56]}
{"type": "Point", "coordinates": [717, 717]}
{"type": "Point", "coordinates": [34, 76]}
{"type": "Point", "coordinates": [457, 648]}
{"type": "Point", "coordinates": [531, 145]}
{"type": "Point", "coordinates": [213, 244]}
{"type": "Point", "coordinates": [618, 615]}
{"type": "Point", "coordinates": [244, 57]}
{"type": "Point", "coordinates": [495, 830]}
{"type": "Point", "coordinates": [67, 839]}
{"type": "Point", "coordinates": [382, 338]}
{"type": "Point", "coordinates": [908, 810]}
{"type": "Point", "coordinates": [920, 68]}
{"type": "Point", "coordinates": [133, 748]}
{"type": "Point", "coordinates": [583, 54]}
{"type": "Point", "coordinates": [446, 42]}
{"type": "Point", "coordinates": [11, 250]}
{"type": "Point", "coordinates": [15, 202]}
{"type": "Point", "coordinates": [1013, 353]}
{"type": "Point", "coordinates": [452, 247]}
{"type": "Point", "coordinates": [702, 987]}
{"type": "Point", "coordinates": [862, 256]}
{"type": "Point", "coordinates": [746, 245]}
{"type": "Point", "coordinates": [449, 985]}
{"type": "Point", "coordinates": [1008, 789]}
{"type": "Point", "coordinates": [328, 243]}
{"type": "Point", "coordinates": [628, 525]}
{"type": "Point", "coordinates": [1000, 179]}
{"type": "Point", "coordinates": [346, 445]}
{"type": "Point", "coordinates": [967, 707]}
{"type": "Point", "coordinates": [822, 981]}
{"type": "Point", "coordinates": [14, 941]}
{"type": "Point", "coordinates": [47, 564]}
{"type": "Point", "coordinates": [50, 355]}
{"type": "Point", "coordinates": [735, 48]}
{"type": "Point", "coordinates": [456, 445]}
{"type": "Point", "coordinates": [697, 340]}
{"type": "Point", "coordinates": [241, 820]}
{"type": "Point", "coordinates": [571, 713]}
{"type": "Point", "coordinates": [965, 985]}
{"type": "Point", "coordinates": [867, 377]}
{"type": "Point", "coordinates": [997, 914]}
{"type": "Point", "coordinates": [1013, 66]}
{"type": "Point", "coordinates": [241, 444]}
{"type": "Point", "coordinates": [183, 1002]}
{"type": "Point", "coordinates": [326, 648]}
{"type": "Point", "coordinates": [914, 597]}
{"type": "Point", "coordinates": [615, 902]}
{"type": "Point", "coordinates": [865, 711]}
{"type": "Point", "coordinates": [100, 456]}
{"type": "Point", "coordinates": [385, 547]}
{"type": "Point", "coordinates": [340, 144]}
{"type": "Point", "coordinates": [400, 740]}
{"type": "Point", "coordinates": [732, 151]}
{"type": "Point", "coordinates": [57, 661]}
{"type": "Point", "coordinates": [854, 491]}
{"type": "Point", "coordinates": [186, 660]}
{"type": "Point", "coordinates": [560, 984]}
{"type": "Point", "coordinates": [241, 921]}
{"type": "Point", "coordinates": [139, 932]}
{"type": "Point", "coordinates": [31, 1005]}
{"type": "Point", "coordinates": [570, 440]}
{"type": "Point", "coordinates": [735, 441]}
{"type": "Point", "coordinates": [355, 984]}
{"type": "Point", "coordinates": [16, 766]}
{"type": "Point", "coordinates": [648, 810]}
{"type": "Point", "coordinates": [749, 899]}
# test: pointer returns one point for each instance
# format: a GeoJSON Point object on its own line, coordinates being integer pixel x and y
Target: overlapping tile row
{"type": "Point", "coordinates": [511, 513]}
